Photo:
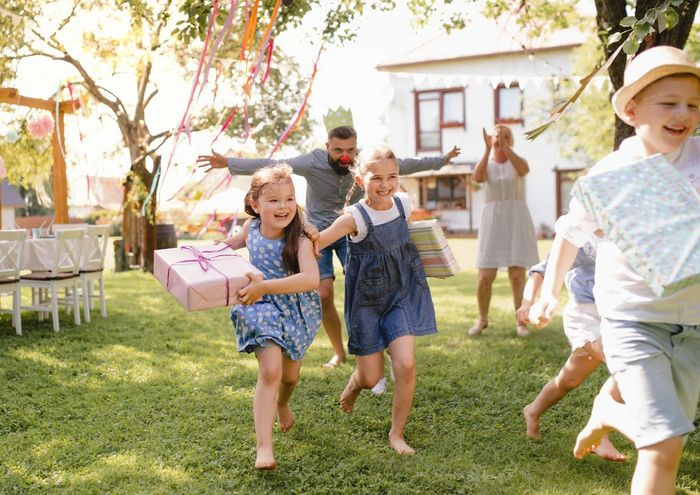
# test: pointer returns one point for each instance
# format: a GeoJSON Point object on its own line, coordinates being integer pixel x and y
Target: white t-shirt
{"type": "Point", "coordinates": [621, 293]}
{"type": "Point", "coordinates": [378, 217]}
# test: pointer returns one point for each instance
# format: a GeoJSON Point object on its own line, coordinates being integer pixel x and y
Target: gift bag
{"type": "Point", "coordinates": [652, 214]}
{"type": "Point", "coordinates": [434, 251]}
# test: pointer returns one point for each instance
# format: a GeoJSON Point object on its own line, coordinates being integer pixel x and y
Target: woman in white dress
{"type": "Point", "coordinates": [506, 233]}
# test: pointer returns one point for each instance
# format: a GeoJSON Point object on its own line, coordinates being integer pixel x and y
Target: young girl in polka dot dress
{"type": "Point", "coordinates": [278, 315]}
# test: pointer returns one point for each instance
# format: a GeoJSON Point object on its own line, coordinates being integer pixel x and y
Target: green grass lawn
{"type": "Point", "coordinates": [157, 400]}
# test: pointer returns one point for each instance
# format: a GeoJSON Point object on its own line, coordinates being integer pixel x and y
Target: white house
{"type": "Point", "coordinates": [448, 89]}
{"type": "Point", "coordinates": [9, 200]}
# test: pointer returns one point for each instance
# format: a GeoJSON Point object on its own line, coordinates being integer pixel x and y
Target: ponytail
{"type": "Point", "coordinates": [348, 197]}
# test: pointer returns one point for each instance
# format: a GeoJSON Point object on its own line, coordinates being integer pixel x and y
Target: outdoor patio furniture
{"type": "Point", "coordinates": [11, 242]}
{"type": "Point", "coordinates": [64, 273]}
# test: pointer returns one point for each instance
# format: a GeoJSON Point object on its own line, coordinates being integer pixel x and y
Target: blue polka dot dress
{"type": "Point", "coordinates": [289, 320]}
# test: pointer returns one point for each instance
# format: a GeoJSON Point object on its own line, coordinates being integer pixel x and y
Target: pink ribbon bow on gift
{"type": "Point", "coordinates": [205, 262]}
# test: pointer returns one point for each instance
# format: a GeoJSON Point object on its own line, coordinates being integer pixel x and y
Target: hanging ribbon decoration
{"type": "Point", "coordinates": [154, 184]}
{"type": "Point", "coordinates": [270, 47]}
{"type": "Point", "coordinates": [82, 142]}
{"type": "Point", "coordinates": [212, 21]}
{"type": "Point", "coordinates": [300, 112]}
{"type": "Point", "coordinates": [228, 24]}
{"type": "Point", "coordinates": [249, 33]}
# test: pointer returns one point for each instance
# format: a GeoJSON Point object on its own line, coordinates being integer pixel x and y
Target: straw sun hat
{"type": "Point", "coordinates": [649, 66]}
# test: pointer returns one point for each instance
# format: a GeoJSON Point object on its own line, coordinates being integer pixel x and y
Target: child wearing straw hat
{"type": "Point", "coordinates": [651, 343]}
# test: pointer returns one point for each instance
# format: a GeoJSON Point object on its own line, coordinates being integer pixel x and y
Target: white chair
{"type": "Point", "coordinates": [68, 226]}
{"type": "Point", "coordinates": [11, 244]}
{"type": "Point", "coordinates": [63, 274]}
{"type": "Point", "coordinates": [92, 268]}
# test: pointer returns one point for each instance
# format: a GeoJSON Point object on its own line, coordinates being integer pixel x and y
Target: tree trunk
{"type": "Point", "coordinates": [148, 225]}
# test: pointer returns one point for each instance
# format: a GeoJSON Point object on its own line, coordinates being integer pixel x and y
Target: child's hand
{"type": "Point", "coordinates": [488, 140]}
{"type": "Point", "coordinates": [208, 162]}
{"type": "Point", "coordinates": [314, 236]}
{"type": "Point", "coordinates": [523, 313]}
{"type": "Point", "coordinates": [253, 291]}
{"type": "Point", "coordinates": [226, 241]}
{"type": "Point", "coordinates": [542, 311]}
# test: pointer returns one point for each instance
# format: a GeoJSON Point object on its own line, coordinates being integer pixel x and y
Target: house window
{"type": "Point", "coordinates": [436, 110]}
{"type": "Point", "coordinates": [565, 182]}
{"type": "Point", "coordinates": [444, 193]}
{"type": "Point", "coordinates": [509, 104]}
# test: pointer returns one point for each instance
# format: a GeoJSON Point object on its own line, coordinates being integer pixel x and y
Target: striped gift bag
{"type": "Point", "coordinates": [434, 251]}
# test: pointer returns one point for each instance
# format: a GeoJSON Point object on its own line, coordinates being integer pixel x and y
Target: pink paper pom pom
{"type": "Point", "coordinates": [41, 126]}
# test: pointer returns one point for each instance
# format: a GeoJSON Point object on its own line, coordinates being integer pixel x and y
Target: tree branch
{"type": "Point", "coordinates": [149, 98]}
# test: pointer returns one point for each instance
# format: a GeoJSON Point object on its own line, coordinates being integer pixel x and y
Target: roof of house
{"type": "Point", "coordinates": [96, 191]}
{"type": "Point", "coordinates": [445, 170]}
{"type": "Point", "coordinates": [481, 38]}
{"type": "Point", "coordinates": [10, 196]}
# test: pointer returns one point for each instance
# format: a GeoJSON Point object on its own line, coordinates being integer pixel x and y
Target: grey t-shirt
{"type": "Point", "coordinates": [326, 189]}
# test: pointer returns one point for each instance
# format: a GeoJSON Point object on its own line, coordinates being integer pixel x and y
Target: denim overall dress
{"type": "Point", "coordinates": [386, 294]}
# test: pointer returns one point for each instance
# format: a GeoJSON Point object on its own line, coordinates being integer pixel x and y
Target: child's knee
{"type": "Point", "coordinates": [665, 455]}
{"type": "Point", "coordinates": [270, 374]}
{"type": "Point", "coordinates": [368, 379]}
{"type": "Point", "coordinates": [567, 383]}
{"type": "Point", "coordinates": [290, 380]}
{"type": "Point", "coordinates": [405, 367]}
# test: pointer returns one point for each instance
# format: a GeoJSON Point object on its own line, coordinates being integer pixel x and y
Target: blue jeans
{"type": "Point", "coordinates": [325, 262]}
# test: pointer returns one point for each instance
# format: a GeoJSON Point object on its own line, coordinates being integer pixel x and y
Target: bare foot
{"type": "Point", "coordinates": [607, 451]}
{"type": "Point", "coordinates": [399, 445]}
{"type": "Point", "coordinates": [348, 398]}
{"type": "Point", "coordinates": [265, 460]}
{"type": "Point", "coordinates": [335, 361]}
{"type": "Point", "coordinates": [285, 416]}
{"type": "Point", "coordinates": [592, 434]}
{"type": "Point", "coordinates": [532, 423]}
{"type": "Point", "coordinates": [522, 331]}
{"type": "Point", "coordinates": [478, 327]}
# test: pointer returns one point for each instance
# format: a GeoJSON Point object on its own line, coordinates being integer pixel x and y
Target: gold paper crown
{"type": "Point", "coordinates": [337, 118]}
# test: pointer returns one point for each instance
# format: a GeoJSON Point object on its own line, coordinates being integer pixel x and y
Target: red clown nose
{"type": "Point", "coordinates": [345, 159]}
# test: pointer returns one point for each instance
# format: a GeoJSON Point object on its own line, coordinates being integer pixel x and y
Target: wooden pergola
{"type": "Point", "coordinates": [60, 182]}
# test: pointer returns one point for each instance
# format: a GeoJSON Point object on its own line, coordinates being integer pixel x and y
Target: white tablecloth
{"type": "Point", "coordinates": [38, 254]}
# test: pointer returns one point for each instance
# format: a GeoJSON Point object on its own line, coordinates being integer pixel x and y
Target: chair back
{"type": "Point", "coordinates": [95, 247]}
{"type": "Point", "coordinates": [11, 244]}
{"type": "Point", "coordinates": [68, 226]}
{"type": "Point", "coordinates": [69, 252]}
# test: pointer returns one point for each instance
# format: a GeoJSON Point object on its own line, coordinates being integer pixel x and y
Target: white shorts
{"type": "Point", "coordinates": [581, 323]}
{"type": "Point", "coordinates": [657, 368]}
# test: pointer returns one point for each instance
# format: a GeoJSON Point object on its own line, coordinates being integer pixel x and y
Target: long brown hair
{"type": "Point", "coordinates": [278, 174]}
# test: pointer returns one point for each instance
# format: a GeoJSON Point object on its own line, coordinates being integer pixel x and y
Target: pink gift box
{"type": "Point", "coordinates": [203, 276]}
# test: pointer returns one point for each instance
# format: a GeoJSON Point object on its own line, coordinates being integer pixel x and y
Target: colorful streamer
{"type": "Point", "coordinates": [300, 112]}
{"type": "Point", "coordinates": [212, 20]}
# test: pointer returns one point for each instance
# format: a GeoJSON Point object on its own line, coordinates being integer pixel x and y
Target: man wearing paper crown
{"type": "Point", "coordinates": [651, 338]}
{"type": "Point", "coordinates": [328, 181]}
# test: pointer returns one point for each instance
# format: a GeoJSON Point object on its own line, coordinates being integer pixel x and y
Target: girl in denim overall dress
{"type": "Point", "coordinates": [387, 299]}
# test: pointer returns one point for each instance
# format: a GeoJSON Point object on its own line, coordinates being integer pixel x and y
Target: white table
{"type": "Point", "coordinates": [39, 254]}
